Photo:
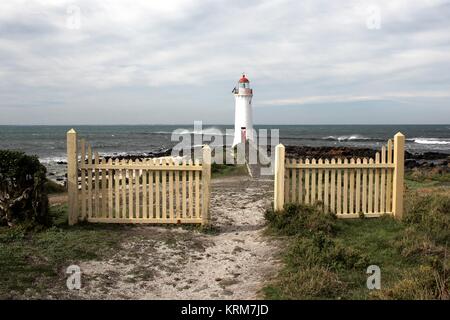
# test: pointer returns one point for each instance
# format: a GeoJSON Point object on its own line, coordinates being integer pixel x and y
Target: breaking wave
{"type": "Point", "coordinates": [430, 141]}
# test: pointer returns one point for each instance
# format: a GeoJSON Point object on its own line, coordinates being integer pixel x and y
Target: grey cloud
{"type": "Point", "coordinates": [163, 57]}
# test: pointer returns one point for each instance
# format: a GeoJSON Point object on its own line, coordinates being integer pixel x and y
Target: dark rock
{"type": "Point", "coordinates": [412, 160]}
{"type": "Point", "coordinates": [430, 156]}
{"type": "Point", "coordinates": [153, 154]}
{"type": "Point", "coordinates": [411, 164]}
{"type": "Point", "coordinates": [328, 152]}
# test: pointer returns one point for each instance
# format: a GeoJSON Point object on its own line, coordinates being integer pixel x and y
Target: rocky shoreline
{"type": "Point", "coordinates": [412, 160]}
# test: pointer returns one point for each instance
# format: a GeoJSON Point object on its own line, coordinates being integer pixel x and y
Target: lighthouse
{"type": "Point", "coordinates": [243, 119]}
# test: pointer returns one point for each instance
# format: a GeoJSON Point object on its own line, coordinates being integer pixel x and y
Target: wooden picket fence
{"type": "Point", "coordinates": [372, 187]}
{"type": "Point", "coordinates": [147, 191]}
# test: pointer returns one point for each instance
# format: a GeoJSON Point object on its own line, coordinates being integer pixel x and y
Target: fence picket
{"type": "Point", "coordinates": [144, 193]}
{"type": "Point", "coordinates": [197, 191]}
{"type": "Point", "coordinates": [183, 192]}
{"type": "Point", "coordinates": [131, 203]}
{"type": "Point", "coordinates": [89, 173]}
{"type": "Point", "coordinates": [300, 183]}
{"type": "Point", "coordinates": [287, 179]}
{"type": "Point", "coordinates": [370, 189]}
{"type": "Point", "coordinates": [313, 183]}
{"type": "Point", "coordinates": [351, 202]}
{"type": "Point", "coordinates": [358, 188]}
{"type": "Point", "coordinates": [117, 193]}
{"type": "Point", "coordinates": [377, 185]}
{"type": "Point", "coordinates": [383, 181]}
{"type": "Point", "coordinates": [177, 193]}
{"type": "Point", "coordinates": [164, 189]}
{"type": "Point", "coordinates": [83, 178]}
{"type": "Point", "coordinates": [333, 187]}
{"type": "Point", "coordinates": [319, 182]}
{"type": "Point", "coordinates": [104, 189]}
{"type": "Point", "coordinates": [326, 187]}
{"type": "Point", "coordinates": [294, 183]}
{"type": "Point", "coordinates": [123, 188]}
{"type": "Point", "coordinates": [364, 188]}
{"type": "Point", "coordinates": [190, 191]}
{"type": "Point", "coordinates": [339, 188]}
{"type": "Point", "coordinates": [389, 177]}
{"type": "Point", "coordinates": [96, 186]}
{"type": "Point", "coordinates": [110, 190]}
{"type": "Point", "coordinates": [158, 214]}
{"type": "Point", "coordinates": [345, 190]}
{"type": "Point", "coordinates": [151, 200]}
{"type": "Point", "coordinates": [137, 191]}
{"type": "Point", "coordinates": [307, 186]}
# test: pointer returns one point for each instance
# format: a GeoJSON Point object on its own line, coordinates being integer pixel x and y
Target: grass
{"type": "Point", "coordinates": [227, 170]}
{"type": "Point", "coordinates": [327, 258]}
{"type": "Point", "coordinates": [420, 178]}
{"type": "Point", "coordinates": [51, 187]}
{"type": "Point", "coordinates": [30, 261]}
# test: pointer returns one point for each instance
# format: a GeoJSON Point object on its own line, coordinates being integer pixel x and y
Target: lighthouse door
{"type": "Point", "coordinates": [243, 134]}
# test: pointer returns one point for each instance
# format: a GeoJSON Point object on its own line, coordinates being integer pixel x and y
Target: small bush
{"type": "Point", "coordinates": [326, 252]}
{"type": "Point", "coordinates": [423, 283]}
{"type": "Point", "coordinates": [301, 219]}
{"type": "Point", "coordinates": [22, 193]}
{"type": "Point", "coordinates": [310, 283]}
{"type": "Point", "coordinates": [415, 245]}
{"type": "Point", "coordinates": [51, 187]}
{"type": "Point", "coordinates": [429, 213]}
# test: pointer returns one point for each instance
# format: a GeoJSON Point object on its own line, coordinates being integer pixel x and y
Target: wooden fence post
{"type": "Point", "coordinates": [206, 177]}
{"type": "Point", "coordinates": [72, 176]}
{"type": "Point", "coordinates": [279, 178]}
{"type": "Point", "coordinates": [399, 163]}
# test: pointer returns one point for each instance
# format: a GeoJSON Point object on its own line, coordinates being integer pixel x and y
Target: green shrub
{"type": "Point", "coordinates": [326, 252]}
{"type": "Point", "coordinates": [429, 213]}
{"type": "Point", "coordinates": [52, 187]}
{"type": "Point", "coordinates": [415, 245]}
{"type": "Point", "coordinates": [22, 194]}
{"type": "Point", "coordinates": [423, 283]}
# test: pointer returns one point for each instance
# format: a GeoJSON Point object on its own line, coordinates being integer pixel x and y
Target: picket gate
{"type": "Point", "coordinates": [161, 190]}
{"type": "Point", "coordinates": [347, 187]}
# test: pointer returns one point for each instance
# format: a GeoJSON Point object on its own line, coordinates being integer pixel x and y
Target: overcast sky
{"type": "Point", "coordinates": [176, 61]}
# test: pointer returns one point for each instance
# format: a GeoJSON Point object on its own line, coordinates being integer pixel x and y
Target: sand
{"type": "Point", "coordinates": [176, 263]}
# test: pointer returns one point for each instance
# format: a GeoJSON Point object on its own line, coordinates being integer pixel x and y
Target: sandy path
{"type": "Point", "coordinates": [164, 263]}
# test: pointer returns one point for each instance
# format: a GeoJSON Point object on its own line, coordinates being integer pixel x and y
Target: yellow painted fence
{"type": "Point", "coordinates": [133, 191]}
{"type": "Point", "coordinates": [347, 187]}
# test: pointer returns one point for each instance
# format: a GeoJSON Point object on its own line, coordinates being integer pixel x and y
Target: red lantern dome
{"type": "Point", "coordinates": [243, 79]}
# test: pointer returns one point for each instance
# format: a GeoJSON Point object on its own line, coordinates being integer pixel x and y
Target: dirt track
{"type": "Point", "coordinates": [164, 263]}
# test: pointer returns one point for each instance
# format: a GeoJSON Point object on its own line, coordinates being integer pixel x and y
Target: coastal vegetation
{"type": "Point", "coordinates": [23, 198]}
{"type": "Point", "coordinates": [327, 258]}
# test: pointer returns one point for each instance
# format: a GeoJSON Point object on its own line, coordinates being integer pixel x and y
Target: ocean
{"type": "Point", "coordinates": [49, 142]}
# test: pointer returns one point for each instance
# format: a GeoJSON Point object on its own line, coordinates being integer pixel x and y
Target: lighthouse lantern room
{"type": "Point", "coordinates": [243, 121]}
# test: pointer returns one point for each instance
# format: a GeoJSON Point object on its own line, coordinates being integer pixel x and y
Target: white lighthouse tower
{"type": "Point", "coordinates": [243, 120]}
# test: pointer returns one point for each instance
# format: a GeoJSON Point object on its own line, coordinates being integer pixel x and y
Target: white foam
{"type": "Point", "coordinates": [430, 141]}
{"type": "Point", "coordinates": [347, 138]}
